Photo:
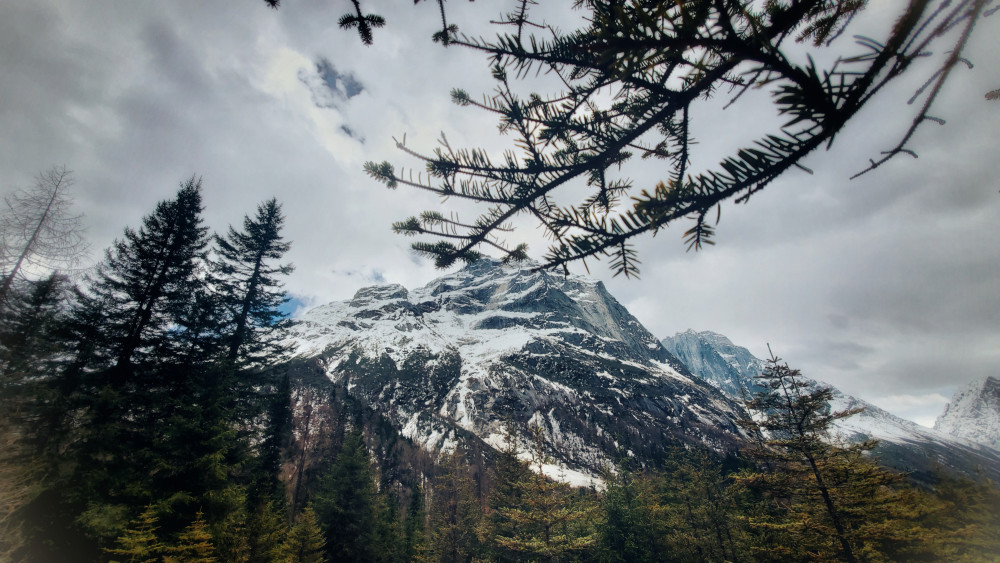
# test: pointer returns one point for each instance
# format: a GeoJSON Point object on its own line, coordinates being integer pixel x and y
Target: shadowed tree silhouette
{"type": "Point", "coordinates": [364, 22]}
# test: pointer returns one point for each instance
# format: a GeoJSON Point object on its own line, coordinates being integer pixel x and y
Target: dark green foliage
{"type": "Point", "coordinates": [632, 527]}
{"type": "Point", "coordinates": [267, 531]}
{"type": "Point", "coordinates": [136, 373]}
{"type": "Point", "coordinates": [276, 444]}
{"type": "Point", "coordinates": [145, 284]}
{"type": "Point", "coordinates": [534, 517]}
{"type": "Point", "coordinates": [700, 509]}
{"type": "Point", "coordinates": [249, 288]}
{"type": "Point", "coordinates": [347, 503]}
{"type": "Point", "coordinates": [30, 332]}
{"type": "Point", "coordinates": [455, 513]}
{"type": "Point", "coordinates": [631, 80]}
{"type": "Point", "coordinates": [364, 22]}
{"type": "Point", "coordinates": [305, 543]}
{"type": "Point", "coordinates": [414, 525]}
{"type": "Point", "coordinates": [146, 404]}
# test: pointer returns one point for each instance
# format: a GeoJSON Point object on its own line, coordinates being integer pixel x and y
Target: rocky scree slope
{"type": "Point", "coordinates": [493, 345]}
{"type": "Point", "coordinates": [903, 444]}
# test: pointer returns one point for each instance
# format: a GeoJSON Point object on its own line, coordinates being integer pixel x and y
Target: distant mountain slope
{"type": "Point", "coordinates": [974, 413]}
{"type": "Point", "coordinates": [492, 343]}
{"type": "Point", "coordinates": [904, 445]}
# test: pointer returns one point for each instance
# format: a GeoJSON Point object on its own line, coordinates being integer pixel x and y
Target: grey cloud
{"type": "Point", "coordinates": [878, 284]}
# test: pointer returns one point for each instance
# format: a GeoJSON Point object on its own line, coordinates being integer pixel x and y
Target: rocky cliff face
{"type": "Point", "coordinates": [903, 444]}
{"type": "Point", "coordinates": [974, 413]}
{"type": "Point", "coordinates": [718, 361]}
{"type": "Point", "coordinates": [493, 345]}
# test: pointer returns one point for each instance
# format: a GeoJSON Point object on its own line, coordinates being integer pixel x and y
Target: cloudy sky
{"type": "Point", "coordinates": [886, 286]}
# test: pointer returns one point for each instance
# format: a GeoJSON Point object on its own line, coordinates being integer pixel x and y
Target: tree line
{"type": "Point", "coordinates": [138, 389]}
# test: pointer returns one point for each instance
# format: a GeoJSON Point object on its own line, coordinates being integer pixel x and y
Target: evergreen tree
{"type": "Point", "coordinates": [959, 522]}
{"type": "Point", "coordinates": [414, 536]}
{"type": "Point", "coordinates": [545, 521]}
{"type": "Point", "coordinates": [125, 369]}
{"type": "Point", "coordinates": [509, 473]}
{"type": "Point", "coordinates": [633, 521]}
{"type": "Point", "coordinates": [305, 542]}
{"type": "Point", "coordinates": [276, 442]}
{"type": "Point", "coordinates": [248, 285]}
{"type": "Point", "coordinates": [347, 505]}
{"type": "Point", "coordinates": [267, 531]}
{"type": "Point", "coordinates": [827, 499]}
{"type": "Point", "coordinates": [146, 282]}
{"type": "Point", "coordinates": [30, 333]}
{"type": "Point", "coordinates": [700, 509]}
{"type": "Point", "coordinates": [454, 513]}
{"type": "Point", "coordinates": [194, 544]}
{"type": "Point", "coordinates": [139, 543]}
{"type": "Point", "coordinates": [32, 341]}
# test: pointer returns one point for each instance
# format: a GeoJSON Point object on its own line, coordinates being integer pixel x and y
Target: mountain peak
{"type": "Point", "coordinates": [450, 361]}
{"type": "Point", "coordinates": [974, 413]}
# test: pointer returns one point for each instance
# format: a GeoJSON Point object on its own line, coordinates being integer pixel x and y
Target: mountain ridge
{"type": "Point", "coordinates": [494, 346]}
{"type": "Point", "coordinates": [493, 343]}
{"type": "Point", "coordinates": [903, 444]}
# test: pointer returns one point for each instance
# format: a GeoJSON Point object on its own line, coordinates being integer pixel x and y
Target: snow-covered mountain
{"type": "Point", "coordinates": [974, 413]}
{"type": "Point", "coordinates": [903, 444]}
{"type": "Point", "coordinates": [493, 344]}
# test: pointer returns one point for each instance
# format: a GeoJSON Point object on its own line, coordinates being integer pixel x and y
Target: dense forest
{"type": "Point", "coordinates": [147, 417]}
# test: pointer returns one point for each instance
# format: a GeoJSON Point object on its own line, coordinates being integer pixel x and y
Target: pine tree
{"type": "Point", "coordinates": [248, 284]}
{"type": "Point", "coordinates": [700, 509]}
{"type": "Point", "coordinates": [305, 542]}
{"type": "Point", "coordinates": [546, 520]}
{"type": "Point", "coordinates": [959, 522]}
{"type": "Point", "coordinates": [123, 368]}
{"type": "Point", "coordinates": [822, 498]}
{"type": "Point", "coordinates": [347, 505]}
{"type": "Point", "coordinates": [267, 532]}
{"type": "Point", "coordinates": [414, 533]}
{"type": "Point", "coordinates": [139, 543]}
{"type": "Point", "coordinates": [146, 283]}
{"type": "Point", "coordinates": [30, 331]}
{"type": "Point", "coordinates": [633, 522]}
{"type": "Point", "coordinates": [509, 473]}
{"type": "Point", "coordinates": [454, 513]}
{"type": "Point", "coordinates": [194, 544]}
{"type": "Point", "coordinates": [276, 442]}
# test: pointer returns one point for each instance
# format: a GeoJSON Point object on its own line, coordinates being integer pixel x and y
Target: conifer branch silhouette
{"type": "Point", "coordinates": [629, 78]}
{"type": "Point", "coordinates": [364, 22]}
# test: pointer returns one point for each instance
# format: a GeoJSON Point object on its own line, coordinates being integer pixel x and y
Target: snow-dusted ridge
{"type": "Point", "coordinates": [491, 342]}
{"type": "Point", "coordinates": [904, 444]}
{"type": "Point", "coordinates": [974, 413]}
